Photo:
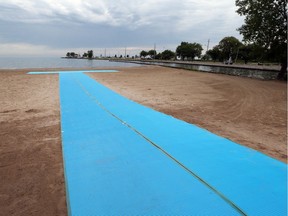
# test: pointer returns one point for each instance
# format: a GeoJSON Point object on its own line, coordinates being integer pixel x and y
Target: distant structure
{"type": "Point", "coordinates": [208, 45]}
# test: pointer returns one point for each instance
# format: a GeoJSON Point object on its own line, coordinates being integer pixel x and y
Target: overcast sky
{"type": "Point", "coordinates": [54, 27]}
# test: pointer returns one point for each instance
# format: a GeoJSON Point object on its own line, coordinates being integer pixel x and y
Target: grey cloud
{"type": "Point", "coordinates": [110, 23]}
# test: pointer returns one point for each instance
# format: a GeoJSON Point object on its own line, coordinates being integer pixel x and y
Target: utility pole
{"type": "Point", "coordinates": [237, 55]}
{"type": "Point", "coordinates": [125, 52]}
{"type": "Point", "coordinates": [154, 50]}
{"type": "Point", "coordinates": [208, 45]}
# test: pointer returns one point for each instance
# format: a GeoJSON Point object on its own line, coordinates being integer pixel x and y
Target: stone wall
{"type": "Point", "coordinates": [235, 70]}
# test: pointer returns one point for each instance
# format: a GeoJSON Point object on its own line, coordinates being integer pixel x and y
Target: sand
{"type": "Point", "coordinates": [248, 111]}
{"type": "Point", "coordinates": [31, 168]}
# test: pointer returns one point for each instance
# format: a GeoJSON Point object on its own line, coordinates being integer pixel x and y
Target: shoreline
{"type": "Point", "coordinates": [253, 66]}
{"type": "Point", "coordinates": [243, 70]}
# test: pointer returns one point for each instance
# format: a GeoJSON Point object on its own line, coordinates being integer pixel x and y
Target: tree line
{"type": "Point", "coordinates": [264, 38]}
{"type": "Point", "coordinates": [185, 51]}
{"type": "Point", "coordinates": [228, 48]}
{"type": "Point", "coordinates": [89, 54]}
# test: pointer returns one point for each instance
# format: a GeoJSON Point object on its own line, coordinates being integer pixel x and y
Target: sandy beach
{"type": "Point", "coordinates": [250, 112]}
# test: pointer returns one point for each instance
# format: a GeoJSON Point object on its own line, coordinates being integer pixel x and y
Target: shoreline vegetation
{"type": "Point", "coordinates": [228, 51]}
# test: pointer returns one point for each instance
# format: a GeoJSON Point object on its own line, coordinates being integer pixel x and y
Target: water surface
{"type": "Point", "coordinates": [57, 62]}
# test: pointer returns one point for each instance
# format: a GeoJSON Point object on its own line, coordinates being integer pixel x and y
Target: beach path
{"type": "Point", "coordinates": [120, 156]}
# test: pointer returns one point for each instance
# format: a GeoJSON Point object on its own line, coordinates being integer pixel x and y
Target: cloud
{"type": "Point", "coordinates": [181, 15]}
{"type": "Point", "coordinates": [24, 49]}
{"type": "Point", "coordinates": [116, 23]}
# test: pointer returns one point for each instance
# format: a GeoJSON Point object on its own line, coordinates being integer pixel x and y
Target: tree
{"type": "Point", "coordinates": [71, 55]}
{"type": "Point", "coordinates": [90, 54]}
{"type": "Point", "coordinates": [167, 55]}
{"type": "Point", "coordinates": [85, 55]}
{"type": "Point", "coordinates": [266, 25]}
{"type": "Point", "coordinates": [189, 50]}
{"type": "Point", "coordinates": [152, 53]}
{"type": "Point", "coordinates": [158, 56]}
{"type": "Point", "coordinates": [245, 53]}
{"type": "Point", "coordinates": [214, 53]}
{"type": "Point", "coordinates": [143, 53]}
{"type": "Point", "coordinates": [229, 47]}
{"type": "Point", "coordinates": [251, 52]}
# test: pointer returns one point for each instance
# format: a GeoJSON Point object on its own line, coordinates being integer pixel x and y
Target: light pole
{"type": "Point", "coordinates": [154, 50]}
{"type": "Point", "coordinates": [208, 45]}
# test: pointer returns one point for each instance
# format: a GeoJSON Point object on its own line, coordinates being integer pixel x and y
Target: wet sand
{"type": "Point", "coordinates": [248, 111]}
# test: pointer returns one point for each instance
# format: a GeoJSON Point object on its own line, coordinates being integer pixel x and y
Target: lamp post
{"type": "Point", "coordinates": [154, 50]}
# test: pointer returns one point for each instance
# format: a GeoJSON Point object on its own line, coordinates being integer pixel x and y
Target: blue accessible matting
{"type": "Point", "coordinates": [254, 182]}
{"type": "Point", "coordinates": [79, 71]}
{"type": "Point", "coordinates": [112, 170]}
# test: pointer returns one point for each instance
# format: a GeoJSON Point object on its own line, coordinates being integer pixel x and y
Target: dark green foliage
{"type": "Point", "coordinates": [167, 55]}
{"type": "Point", "coordinates": [265, 21]}
{"type": "Point", "coordinates": [152, 53]}
{"type": "Point", "coordinates": [252, 52]}
{"type": "Point", "coordinates": [229, 47]}
{"type": "Point", "coordinates": [189, 50]}
{"type": "Point", "coordinates": [90, 54]}
{"type": "Point", "coordinates": [214, 53]}
{"type": "Point", "coordinates": [266, 25]}
{"type": "Point", "coordinates": [70, 54]}
{"type": "Point", "coordinates": [143, 53]}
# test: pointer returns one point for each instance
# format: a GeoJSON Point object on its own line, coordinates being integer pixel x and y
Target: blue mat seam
{"type": "Point", "coordinates": [231, 203]}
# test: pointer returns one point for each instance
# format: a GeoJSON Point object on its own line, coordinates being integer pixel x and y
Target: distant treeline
{"type": "Point", "coordinates": [88, 54]}
{"type": "Point", "coordinates": [228, 48]}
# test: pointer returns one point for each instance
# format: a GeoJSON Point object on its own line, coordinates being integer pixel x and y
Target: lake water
{"type": "Point", "coordinates": [259, 73]}
{"type": "Point", "coordinates": [57, 62]}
